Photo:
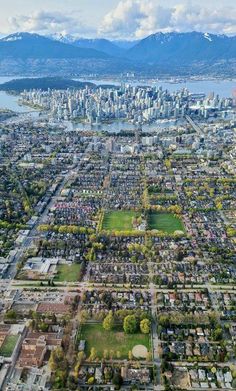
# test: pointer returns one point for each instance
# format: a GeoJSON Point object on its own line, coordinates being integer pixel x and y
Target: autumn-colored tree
{"type": "Point", "coordinates": [145, 326]}
{"type": "Point", "coordinates": [130, 324]}
{"type": "Point", "coordinates": [108, 322]}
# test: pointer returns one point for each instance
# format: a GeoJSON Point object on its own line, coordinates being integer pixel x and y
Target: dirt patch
{"type": "Point", "coordinates": [140, 351]}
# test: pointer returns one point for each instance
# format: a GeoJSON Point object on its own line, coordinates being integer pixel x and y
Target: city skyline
{"type": "Point", "coordinates": [117, 19]}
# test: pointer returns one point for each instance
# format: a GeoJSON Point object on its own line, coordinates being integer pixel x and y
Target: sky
{"type": "Point", "coordinates": [117, 19]}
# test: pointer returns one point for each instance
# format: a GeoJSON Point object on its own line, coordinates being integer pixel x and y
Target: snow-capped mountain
{"type": "Point", "coordinates": [184, 48]}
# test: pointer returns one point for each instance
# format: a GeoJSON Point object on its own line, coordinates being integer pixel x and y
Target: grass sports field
{"type": "Point", "coordinates": [69, 273]}
{"type": "Point", "coordinates": [120, 220]}
{"type": "Point", "coordinates": [166, 222]}
{"type": "Point", "coordinates": [8, 345]}
{"type": "Point", "coordinates": [114, 340]}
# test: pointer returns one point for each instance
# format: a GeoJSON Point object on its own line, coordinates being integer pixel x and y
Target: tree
{"type": "Point", "coordinates": [130, 324]}
{"type": "Point", "coordinates": [111, 354]}
{"type": "Point", "coordinates": [180, 256]}
{"type": "Point", "coordinates": [219, 205]}
{"type": "Point", "coordinates": [164, 320]}
{"type": "Point", "coordinates": [167, 163]}
{"type": "Point", "coordinates": [145, 326]}
{"type": "Point", "coordinates": [11, 315]}
{"type": "Point", "coordinates": [217, 334]}
{"type": "Point", "coordinates": [118, 355]}
{"type": "Point", "coordinates": [91, 380]}
{"type": "Point", "coordinates": [105, 354]}
{"type": "Point", "coordinates": [149, 356]}
{"type": "Point", "coordinates": [72, 383]}
{"type": "Point", "coordinates": [108, 322]}
{"type": "Point", "coordinates": [43, 327]}
{"type": "Point", "coordinates": [130, 355]}
{"type": "Point", "coordinates": [107, 373]}
{"type": "Point", "coordinates": [80, 357]}
{"type": "Point", "coordinates": [93, 354]}
{"type": "Point", "coordinates": [19, 265]}
{"type": "Point", "coordinates": [60, 379]}
{"type": "Point", "coordinates": [56, 358]}
{"type": "Point", "coordinates": [117, 380]}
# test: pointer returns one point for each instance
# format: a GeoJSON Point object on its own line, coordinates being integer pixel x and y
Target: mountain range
{"type": "Point", "coordinates": [26, 45]}
{"type": "Point", "coordinates": [184, 48]}
{"type": "Point", "coordinates": [170, 52]}
{"type": "Point", "coordinates": [110, 47]}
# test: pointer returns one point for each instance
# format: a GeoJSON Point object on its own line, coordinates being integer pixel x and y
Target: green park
{"type": "Point", "coordinates": [69, 273]}
{"type": "Point", "coordinates": [120, 220]}
{"type": "Point", "coordinates": [115, 342]}
{"type": "Point", "coordinates": [165, 222]}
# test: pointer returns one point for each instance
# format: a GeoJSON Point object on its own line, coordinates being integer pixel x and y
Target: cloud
{"type": "Point", "coordinates": [132, 19]}
{"type": "Point", "coordinates": [48, 23]}
{"type": "Point", "coordinates": [139, 18]}
{"type": "Point", "coordinates": [124, 19]}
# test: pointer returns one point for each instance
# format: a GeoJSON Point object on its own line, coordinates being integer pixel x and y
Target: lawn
{"type": "Point", "coordinates": [120, 220]}
{"type": "Point", "coordinates": [115, 340]}
{"type": "Point", "coordinates": [166, 222]}
{"type": "Point", "coordinates": [69, 273]}
{"type": "Point", "coordinates": [8, 345]}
